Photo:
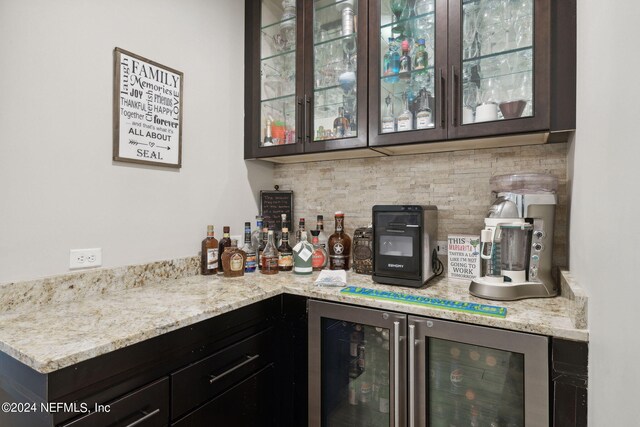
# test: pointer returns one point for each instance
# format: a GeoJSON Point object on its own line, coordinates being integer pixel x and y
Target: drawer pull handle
{"type": "Point", "coordinates": [144, 418]}
{"type": "Point", "coordinates": [249, 359]}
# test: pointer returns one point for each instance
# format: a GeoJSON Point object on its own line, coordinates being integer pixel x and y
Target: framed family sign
{"type": "Point", "coordinates": [147, 111]}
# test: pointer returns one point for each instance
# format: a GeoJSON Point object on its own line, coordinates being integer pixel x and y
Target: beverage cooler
{"type": "Point", "coordinates": [376, 368]}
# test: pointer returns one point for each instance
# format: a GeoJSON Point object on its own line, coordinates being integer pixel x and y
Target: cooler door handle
{"type": "Point", "coordinates": [412, 373]}
{"type": "Point", "coordinates": [396, 374]}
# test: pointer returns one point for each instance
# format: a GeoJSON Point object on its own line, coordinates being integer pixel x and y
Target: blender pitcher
{"type": "Point", "coordinates": [514, 252]}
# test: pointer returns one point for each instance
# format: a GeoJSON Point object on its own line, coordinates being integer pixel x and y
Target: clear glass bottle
{"type": "Point", "coordinates": [248, 249]}
{"type": "Point", "coordinates": [224, 242]}
{"type": "Point", "coordinates": [301, 230]}
{"type": "Point", "coordinates": [341, 125]}
{"type": "Point", "coordinates": [319, 257]}
{"type": "Point", "coordinates": [322, 236]}
{"type": "Point", "coordinates": [420, 59]}
{"type": "Point", "coordinates": [339, 246]}
{"type": "Point", "coordinates": [302, 256]}
{"type": "Point", "coordinates": [405, 119]}
{"type": "Point", "coordinates": [269, 263]}
{"type": "Point", "coordinates": [209, 254]}
{"type": "Point", "coordinates": [283, 224]}
{"type": "Point", "coordinates": [263, 243]}
{"type": "Point", "coordinates": [388, 118]}
{"type": "Point", "coordinates": [405, 59]}
{"type": "Point", "coordinates": [256, 234]}
{"type": "Point", "coordinates": [285, 253]}
{"type": "Point", "coordinates": [268, 140]}
{"type": "Point", "coordinates": [394, 61]}
{"type": "Point", "coordinates": [424, 118]}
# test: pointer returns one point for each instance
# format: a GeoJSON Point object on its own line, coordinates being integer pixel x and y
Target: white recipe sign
{"type": "Point", "coordinates": [147, 111]}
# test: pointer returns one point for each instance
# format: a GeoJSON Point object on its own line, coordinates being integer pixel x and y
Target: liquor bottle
{"type": "Point", "coordinates": [420, 59]}
{"type": "Point", "coordinates": [268, 140]}
{"type": "Point", "coordinates": [269, 263]}
{"type": "Point", "coordinates": [319, 257]}
{"type": "Point", "coordinates": [405, 59]}
{"type": "Point", "coordinates": [424, 118]}
{"type": "Point", "coordinates": [283, 224]}
{"type": "Point", "coordinates": [233, 260]}
{"type": "Point", "coordinates": [388, 119]}
{"type": "Point", "coordinates": [285, 253]}
{"type": "Point", "coordinates": [301, 230]}
{"type": "Point", "coordinates": [249, 250]}
{"type": "Point", "coordinates": [405, 119]}
{"type": "Point", "coordinates": [394, 60]}
{"type": "Point", "coordinates": [224, 242]}
{"type": "Point", "coordinates": [209, 254]}
{"type": "Point", "coordinates": [256, 234]}
{"type": "Point", "coordinates": [341, 126]}
{"type": "Point", "coordinates": [383, 401]}
{"type": "Point", "coordinates": [386, 61]}
{"type": "Point", "coordinates": [263, 243]}
{"type": "Point", "coordinates": [322, 236]}
{"type": "Point", "coordinates": [339, 245]}
{"type": "Point", "coordinates": [303, 256]}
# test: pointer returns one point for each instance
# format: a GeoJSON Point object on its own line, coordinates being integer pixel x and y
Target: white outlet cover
{"type": "Point", "coordinates": [442, 247]}
{"type": "Point", "coordinates": [85, 258]}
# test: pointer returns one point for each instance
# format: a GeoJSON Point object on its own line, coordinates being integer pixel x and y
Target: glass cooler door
{"type": "Point", "coordinates": [356, 367]}
{"type": "Point", "coordinates": [473, 376]}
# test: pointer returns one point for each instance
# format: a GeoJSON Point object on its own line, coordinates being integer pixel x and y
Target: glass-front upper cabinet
{"type": "Point", "coordinates": [279, 107]}
{"type": "Point", "coordinates": [408, 74]}
{"type": "Point", "coordinates": [335, 79]}
{"type": "Point", "coordinates": [500, 66]}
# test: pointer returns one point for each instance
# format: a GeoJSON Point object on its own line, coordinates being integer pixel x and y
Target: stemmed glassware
{"type": "Point", "coordinates": [397, 8]}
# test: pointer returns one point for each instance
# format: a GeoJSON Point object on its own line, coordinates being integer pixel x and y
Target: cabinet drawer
{"type": "Point", "coordinates": [203, 380]}
{"type": "Point", "coordinates": [145, 407]}
{"type": "Point", "coordinates": [249, 403]}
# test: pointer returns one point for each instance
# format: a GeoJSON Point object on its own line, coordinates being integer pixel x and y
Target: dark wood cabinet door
{"type": "Point", "coordinates": [418, 85]}
{"type": "Point", "coordinates": [274, 103]}
{"type": "Point", "coordinates": [499, 68]}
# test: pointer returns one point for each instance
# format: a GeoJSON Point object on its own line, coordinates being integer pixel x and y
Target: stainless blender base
{"type": "Point", "coordinates": [509, 291]}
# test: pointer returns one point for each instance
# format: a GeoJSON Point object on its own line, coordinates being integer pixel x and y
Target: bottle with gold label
{"type": "Point", "coordinates": [233, 260]}
{"type": "Point", "coordinates": [285, 253]}
{"type": "Point", "coordinates": [209, 255]}
{"type": "Point", "coordinates": [339, 246]}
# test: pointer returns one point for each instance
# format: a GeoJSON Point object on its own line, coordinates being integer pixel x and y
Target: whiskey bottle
{"type": "Point", "coordinates": [341, 125]}
{"type": "Point", "coordinates": [247, 248]}
{"type": "Point", "coordinates": [233, 260]}
{"type": "Point", "coordinates": [302, 256]}
{"type": "Point", "coordinates": [424, 118]}
{"type": "Point", "coordinates": [405, 119]}
{"type": "Point", "coordinates": [339, 245]}
{"type": "Point", "coordinates": [405, 59]}
{"type": "Point", "coordinates": [285, 253]}
{"type": "Point", "coordinates": [269, 263]}
{"type": "Point", "coordinates": [224, 242]}
{"type": "Point", "coordinates": [256, 234]}
{"type": "Point", "coordinates": [322, 236]}
{"type": "Point", "coordinates": [319, 257]}
{"type": "Point", "coordinates": [209, 254]}
{"type": "Point", "coordinates": [263, 243]}
{"type": "Point", "coordinates": [388, 118]}
{"type": "Point", "coordinates": [283, 224]}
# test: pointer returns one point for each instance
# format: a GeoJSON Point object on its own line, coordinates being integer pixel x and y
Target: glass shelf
{"type": "Point", "coordinates": [278, 98]}
{"type": "Point", "coordinates": [335, 39]}
{"type": "Point", "coordinates": [324, 4]}
{"type": "Point", "coordinates": [278, 55]}
{"type": "Point", "coordinates": [326, 88]}
{"type": "Point", "coordinates": [278, 23]}
{"type": "Point", "coordinates": [495, 54]}
{"type": "Point", "coordinates": [406, 75]}
{"type": "Point", "coordinates": [412, 18]}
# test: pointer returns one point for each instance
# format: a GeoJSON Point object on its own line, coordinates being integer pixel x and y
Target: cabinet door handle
{"type": "Point", "coordinates": [396, 374]}
{"type": "Point", "coordinates": [299, 106]}
{"type": "Point", "coordinates": [454, 95]}
{"type": "Point", "coordinates": [443, 90]}
{"type": "Point", "coordinates": [412, 386]}
{"type": "Point", "coordinates": [248, 359]}
{"type": "Point", "coordinates": [307, 117]}
{"type": "Point", "coordinates": [144, 418]}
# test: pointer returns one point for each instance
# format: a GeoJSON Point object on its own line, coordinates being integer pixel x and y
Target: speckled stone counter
{"type": "Point", "coordinates": [51, 332]}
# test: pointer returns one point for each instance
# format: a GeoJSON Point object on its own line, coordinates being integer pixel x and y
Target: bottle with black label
{"type": "Point", "coordinates": [209, 255]}
{"type": "Point", "coordinates": [285, 253]}
{"type": "Point", "coordinates": [247, 248]}
{"type": "Point", "coordinates": [225, 242]}
{"type": "Point", "coordinates": [339, 245]}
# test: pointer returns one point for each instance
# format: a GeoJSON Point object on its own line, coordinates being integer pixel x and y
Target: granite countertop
{"type": "Point", "coordinates": [52, 335]}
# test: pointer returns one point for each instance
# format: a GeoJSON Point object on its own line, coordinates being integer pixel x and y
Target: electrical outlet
{"type": "Point", "coordinates": [85, 258]}
{"type": "Point", "coordinates": [442, 247]}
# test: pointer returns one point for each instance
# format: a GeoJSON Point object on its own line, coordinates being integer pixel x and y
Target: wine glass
{"type": "Point", "coordinates": [470, 30]}
{"type": "Point", "coordinates": [397, 8]}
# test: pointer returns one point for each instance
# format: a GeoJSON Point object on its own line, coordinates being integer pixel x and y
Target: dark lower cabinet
{"type": "Point", "coordinates": [569, 369]}
{"type": "Point", "coordinates": [249, 403]}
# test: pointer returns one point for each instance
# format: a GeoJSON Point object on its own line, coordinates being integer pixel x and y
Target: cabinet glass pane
{"type": "Point", "coordinates": [474, 386]}
{"type": "Point", "coordinates": [407, 46]}
{"type": "Point", "coordinates": [355, 375]}
{"type": "Point", "coordinates": [335, 67]}
{"type": "Point", "coordinates": [278, 72]}
{"type": "Point", "coordinates": [497, 64]}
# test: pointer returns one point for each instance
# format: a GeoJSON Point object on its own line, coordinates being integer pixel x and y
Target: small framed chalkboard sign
{"type": "Point", "coordinates": [275, 203]}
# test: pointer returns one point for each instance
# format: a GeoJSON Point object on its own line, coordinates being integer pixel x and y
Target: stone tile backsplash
{"type": "Point", "coordinates": [456, 182]}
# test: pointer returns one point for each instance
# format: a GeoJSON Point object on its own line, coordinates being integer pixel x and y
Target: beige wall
{"type": "Point", "coordinates": [457, 183]}
{"type": "Point", "coordinates": [59, 188]}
